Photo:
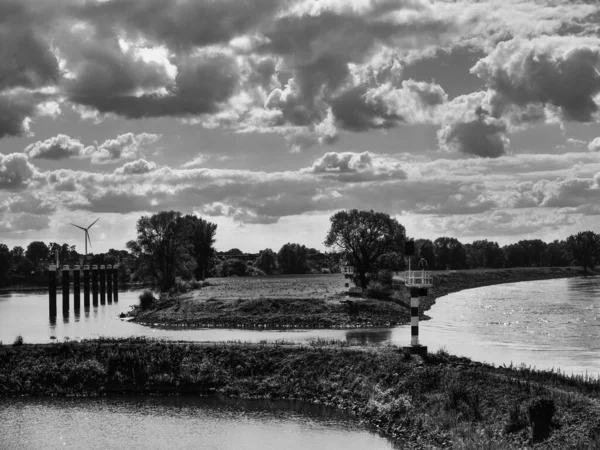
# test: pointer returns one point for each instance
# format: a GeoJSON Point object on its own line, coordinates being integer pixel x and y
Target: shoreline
{"type": "Point", "coordinates": [438, 401]}
{"type": "Point", "coordinates": [192, 311]}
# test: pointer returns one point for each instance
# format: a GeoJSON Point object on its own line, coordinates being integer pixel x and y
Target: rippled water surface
{"type": "Point", "coordinates": [546, 324]}
{"type": "Point", "coordinates": [179, 423]}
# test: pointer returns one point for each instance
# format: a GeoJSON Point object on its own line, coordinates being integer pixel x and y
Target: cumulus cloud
{"type": "Point", "coordinates": [558, 71]}
{"type": "Point", "coordinates": [123, 147]}
{"type": "Point", "coordinates": [15, 171]}
{"type": "Point", "coordinates": [594, 145]}
{"type": "Point", "coordinates": [357, 167]}
{"type": "Point", "coordinates": [138, 167]}
{"type": "Point", "coordinates": [471, 130]}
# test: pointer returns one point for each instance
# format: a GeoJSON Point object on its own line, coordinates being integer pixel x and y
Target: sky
{"type": "Point", "coordinates": [469, 119]}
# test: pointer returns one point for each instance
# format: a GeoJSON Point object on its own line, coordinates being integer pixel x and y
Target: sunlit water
{"type": "Point", "coordinates": [179, 423]}
{"type": "Point", "coordinates": [546, 324]}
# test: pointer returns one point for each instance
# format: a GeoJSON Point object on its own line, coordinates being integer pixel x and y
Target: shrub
{"type": "Point", "coordinates": [146, 300]}
{"type": "Point", "coordinates": [231, 267]}
{"type": "Point", "coordinates": [18, 340]}
{"type": "Point", "coordinates": [385, 277]}
{"type": "Point", "coordinates": [325, 270]}
{"type": "Point", "coordinates": [378, 290]}
{"type": "Point", "coordinates": [255, 272]}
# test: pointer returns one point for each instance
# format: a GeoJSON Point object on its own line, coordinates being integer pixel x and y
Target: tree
{"type": "Point", "coordinates": [202, 236]}
{"type": "Point", "coordinates": [267, 261]}
{"type": "Point", "coordinates": [559, 255]}
{"type": "Point", "coordinates": [363, 237]}
{"type": "Point", "coordinates": [450, 253]}
{"type": "Point", "coordinates": [292, 258]}
{"type": "Point", "coordinates": [585, 248]}
{"type": "Point", "coordinates": [37, 252]}
{"type": "Point", "coordinates": [234, 252]}
{"type": "Point", "coordinates": [163, 248]}
{"type": "Point", "coordinates": [17, 253]}
{"type": "Point", "coordinates": [5, 265]}
{"type": "Point", "coordinates": [425, 250]}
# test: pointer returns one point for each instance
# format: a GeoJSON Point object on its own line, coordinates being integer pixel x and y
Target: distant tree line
{"type": "Point", "coordinates": [171, 247]}
{"type": "Point", "coordinates": [581, 249]}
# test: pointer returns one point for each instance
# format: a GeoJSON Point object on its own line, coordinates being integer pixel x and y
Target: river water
{"type": "Point", "coordinates": [148, 423]}
{"type": "Point", "coordinates": [544, 324]}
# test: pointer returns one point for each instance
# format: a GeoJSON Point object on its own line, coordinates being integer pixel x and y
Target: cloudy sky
{"type": "Point", "coordinates": [471, 119]}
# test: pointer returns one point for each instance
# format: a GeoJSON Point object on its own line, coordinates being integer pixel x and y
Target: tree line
{"type": "Point", "coordinates": [171, 246]}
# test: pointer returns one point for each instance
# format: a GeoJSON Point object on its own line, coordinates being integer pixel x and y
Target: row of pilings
{"type": "Point", "coordinates": [102, 282]}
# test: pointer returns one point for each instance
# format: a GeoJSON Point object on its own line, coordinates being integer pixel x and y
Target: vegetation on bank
{"type": "Point", "coordinates": [311, 303]}
{"type": "Point", "coordinates": [437, 402]}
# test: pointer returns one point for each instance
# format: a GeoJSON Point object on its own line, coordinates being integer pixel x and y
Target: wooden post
{"type": "Point", "coordinates": [86, 286]}
{"type": "Point", "coordinates": [52, 290]}
{"type": "Point", "coordinates": [95, 285]}
{"type": "Point", "coordinates": [76, 288]}
{"type": "Point", "coordinates": [116, 283]}
{"type": "Point", "coordinates": [102, 285]}
{"type": "Point", "coordinates": [109, 279]}
{"type": "Point", "coordinates": [65, 290]}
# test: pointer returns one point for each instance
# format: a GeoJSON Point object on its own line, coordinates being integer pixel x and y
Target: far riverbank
{"type": "Point", "coordinates": [317, 302]}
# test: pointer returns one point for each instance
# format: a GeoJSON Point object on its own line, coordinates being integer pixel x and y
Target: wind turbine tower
{"type": "Point", "coordinates": [87, 234]}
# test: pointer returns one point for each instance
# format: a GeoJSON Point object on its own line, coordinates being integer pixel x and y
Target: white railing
{"type": "Point", "coordinates": [420, 278]}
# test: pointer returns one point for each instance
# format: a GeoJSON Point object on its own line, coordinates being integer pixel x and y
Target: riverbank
{"type": "Point", "coordinates": [317, 302]}
{"type": "Point", "coordinates": [439, 401]}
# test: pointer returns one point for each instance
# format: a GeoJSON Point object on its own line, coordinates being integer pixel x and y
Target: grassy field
{"type": "Point", "coordinates": [439, 401]}
{"type": "Point", "coordinates": [316, 301]}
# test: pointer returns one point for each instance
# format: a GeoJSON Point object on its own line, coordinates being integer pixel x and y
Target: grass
{"type": "Point", "coordinates": [440, 400]}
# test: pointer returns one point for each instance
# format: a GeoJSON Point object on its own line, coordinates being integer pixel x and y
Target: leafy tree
{"type": "Point", "coordinates": [267, 261]}
{"type": "Point", "coordinates": [202, 235]}
{"type": "Point", "coordinates": [163, 248]}
{"type": "Point", "coordinates": [5, 265]}
{"type": "Point", "coordinates": [17, 253]}
{"type": "Point", "coordinates": [37, 252]}
{"type": "Point", "coordinates": [363, 237]}
{"type": "Point", "coordinates": [425, 250]}
{"type": "Point", "coordinates": [231, 267]}
{"type": "Point", "coordinates": [234, 252]}
{"type": "Point", "coordinates": [450, 253]}
{"type": "Point", "coordinates": [292, 258]}
{"type": "Point", "coordinates": [484, 253]}
{"type": "Point", "coordinates": [585, 248]}
{"type": "Point", "coordinates": [558, 254]}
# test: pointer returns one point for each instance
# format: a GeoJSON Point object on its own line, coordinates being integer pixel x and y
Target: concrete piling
{"type": "Point", "coordinates": [65, 290]}
{"type": "Point", "coordinates": [109, 280]}
{"type": "Point", "coordinates": [102, 284]}
{"type": "Point", "coordinates": [86, 286]}
{"type": "Point", "coordinates": [52, 290]}
{"type": "Point", "coordinates": [95, 285]}
{"type": "Point", "coordinates": [76, 288]}
{"type": "Point", "coordinates": [116, 282]}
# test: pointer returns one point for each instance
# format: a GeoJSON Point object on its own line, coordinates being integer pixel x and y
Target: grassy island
{"type": "Point", "coordinates": [317, 301]}
{"type": "Point", "coordinates": [439, 401]}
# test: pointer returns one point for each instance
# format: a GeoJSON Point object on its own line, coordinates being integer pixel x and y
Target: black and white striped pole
{"type": "Point", "coordinates": [102, 273]}
{"type": "Point", "coordinates": [417, 282]}
{"type": "Point", "coordinates": [52, 290]}
{"type": "Point", "coordinates": [95, 285]}
{"type": "Point", "coordinates": [116, 282]}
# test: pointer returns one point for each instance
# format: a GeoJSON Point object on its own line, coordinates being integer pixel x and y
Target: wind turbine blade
{"type": "Point", "coordinates": [93, 223]}
{"type": "Point", "coordinates": [81, 228]}
{"type": "Point", "coordinates": [88, 236]}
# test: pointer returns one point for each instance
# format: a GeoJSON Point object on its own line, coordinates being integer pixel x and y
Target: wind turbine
{"type": "Point", "coordinates": [87, 234]}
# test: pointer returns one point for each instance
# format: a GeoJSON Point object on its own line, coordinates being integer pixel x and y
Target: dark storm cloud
{"type": "Point", "coordinates": [109, 86]}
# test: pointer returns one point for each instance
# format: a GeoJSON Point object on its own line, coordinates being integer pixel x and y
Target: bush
{"type": "Point", "coordinates": [385, 277]}
{"type": "Point", "coordinates": [255, 272]}
{"type": "Point", "coordinates": [18, 340]}
{"type": "Point", "coordinates": [378, 290]}
{"type": "Point", "coordinates": [146, 300]}
{"type": "Point", "coordinates": [231, 267]}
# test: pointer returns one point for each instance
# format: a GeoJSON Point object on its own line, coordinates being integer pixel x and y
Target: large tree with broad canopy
{"type": "Point", "coordinates": [364, 237]}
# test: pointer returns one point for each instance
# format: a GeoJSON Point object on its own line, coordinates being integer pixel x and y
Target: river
{"type": "Point", "coordinates": [148, 423]}
{"type": "Point", "coordinates": [544, 324]}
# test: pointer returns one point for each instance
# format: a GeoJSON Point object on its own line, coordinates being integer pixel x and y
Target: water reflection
{"type": "Point", "coordinates": [180, 422]}
{"type": "Point", "coordinates": [369, 336]}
